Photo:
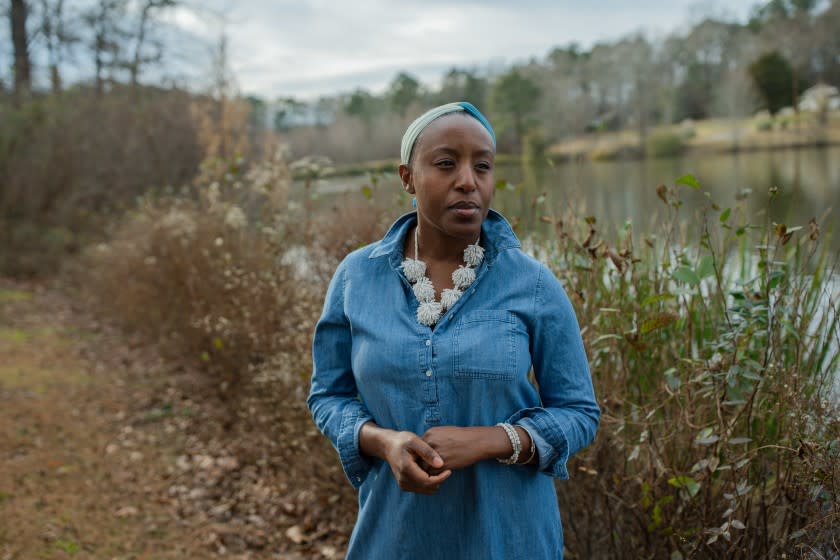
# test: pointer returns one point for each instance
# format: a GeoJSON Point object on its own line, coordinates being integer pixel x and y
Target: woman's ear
{"type": "Point", "coordinates": [405, 177]}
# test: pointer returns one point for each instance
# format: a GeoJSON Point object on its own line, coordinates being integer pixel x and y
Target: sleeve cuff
{"type": "Point", "coordinates": [545, 453]}
{"type": "Point", "coordinates": [355, 465]}
{"type": "Point", "coordinates": [549, 437]}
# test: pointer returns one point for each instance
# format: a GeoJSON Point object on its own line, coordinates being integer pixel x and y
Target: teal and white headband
{"type": "Point", "coordinates": [419, 125]}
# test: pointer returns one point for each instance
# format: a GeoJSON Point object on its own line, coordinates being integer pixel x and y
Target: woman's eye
{"type": "Point", "coordinates": [484, 166]}
{"type": "Point", "coordinates": [445, 163]}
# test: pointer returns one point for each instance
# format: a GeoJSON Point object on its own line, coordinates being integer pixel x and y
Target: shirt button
{"type": "Point", "coordinates": [428, 373]}
{"type": "Point", "coordinates": [428, 343]}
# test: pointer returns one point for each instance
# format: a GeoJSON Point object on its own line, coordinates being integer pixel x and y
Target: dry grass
{"type": "Point", "coordinates": [229, 275]}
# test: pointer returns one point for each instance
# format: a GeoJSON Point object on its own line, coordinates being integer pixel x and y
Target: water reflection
{"type": "Point", "coordinates": [808, 186]}
{"type": "Point", "coordinates": [614, 192]}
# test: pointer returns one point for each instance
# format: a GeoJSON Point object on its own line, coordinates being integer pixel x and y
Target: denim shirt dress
{"type": "Point", "coordinates": [374, 361]}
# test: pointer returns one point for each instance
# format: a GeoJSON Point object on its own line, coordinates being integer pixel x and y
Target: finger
{"type": "Point", "coordinates": [438, 479]}
{"type": "Point", "coordinates": [416, 476]}
{"type": "Point", "coordinates": [435, 482]}
{"type": "Point", "coordinates": [432, 472]}
{"type": "Point", "coordinates": [425, 452]}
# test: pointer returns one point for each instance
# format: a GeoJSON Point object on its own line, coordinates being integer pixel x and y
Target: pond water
{"type": "Point", "coordinates": [614, 192]}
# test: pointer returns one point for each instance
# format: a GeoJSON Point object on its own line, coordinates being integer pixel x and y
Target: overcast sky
{"type": "Point", "coordinates": [306, 48]}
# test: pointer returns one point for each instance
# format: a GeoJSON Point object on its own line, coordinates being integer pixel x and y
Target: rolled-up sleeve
{"type": "Point", "coordinates": [334, 400]}
{"type": "Point", "coordinates": [568, 416]}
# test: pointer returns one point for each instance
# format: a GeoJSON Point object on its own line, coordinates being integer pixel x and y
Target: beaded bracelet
{"type": "Point", "coordinates": [514, 442]}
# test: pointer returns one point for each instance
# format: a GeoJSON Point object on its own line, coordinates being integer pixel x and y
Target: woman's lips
{"type": "Point", "coordinates": [465, 211]}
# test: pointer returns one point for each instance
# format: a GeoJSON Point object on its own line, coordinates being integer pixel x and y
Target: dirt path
{"type": "Point", "coordinates": [75, 480]}
{"type": "Point", "coordinates": [103, 454]}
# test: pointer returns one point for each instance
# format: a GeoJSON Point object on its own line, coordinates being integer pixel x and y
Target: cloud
{"type": "Point", "coordinates": [312, 47]}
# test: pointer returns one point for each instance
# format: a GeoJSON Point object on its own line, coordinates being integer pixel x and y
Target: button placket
{"type": "Point", "coordinates": [429, 382]}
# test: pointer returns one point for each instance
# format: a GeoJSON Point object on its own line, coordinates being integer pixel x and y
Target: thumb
{"type": "Point", "coordinates": [425, 452]}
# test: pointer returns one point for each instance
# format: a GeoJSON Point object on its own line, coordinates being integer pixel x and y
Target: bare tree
{"type": "Point", "coordinates": [20, 43]}
{"type": "Point", "coordinates": [57, 38]}
{"type": "Point", "coordinates": [141, 36]}
{"type": "Point", "coordinates": [106, 20]}
{"type": "Point", "coordinates": [635, 57]}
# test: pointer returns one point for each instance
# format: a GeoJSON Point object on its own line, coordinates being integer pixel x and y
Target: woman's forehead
{"type": "Point", "coordinates": [454, 127]}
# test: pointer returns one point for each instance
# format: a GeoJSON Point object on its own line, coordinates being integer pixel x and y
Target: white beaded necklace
{"type": "Point", "coordinates": [429, 310]}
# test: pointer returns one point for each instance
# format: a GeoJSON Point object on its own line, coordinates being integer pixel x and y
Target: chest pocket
{"type": "Point", "coordinates": [486, 345]}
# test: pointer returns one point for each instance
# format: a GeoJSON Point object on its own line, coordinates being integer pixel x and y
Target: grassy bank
{"type": "Point", "coordinates": [704, 137]}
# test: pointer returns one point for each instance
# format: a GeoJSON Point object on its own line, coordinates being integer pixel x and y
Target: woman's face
{"type": "Point", "coordinates": [451, 174]}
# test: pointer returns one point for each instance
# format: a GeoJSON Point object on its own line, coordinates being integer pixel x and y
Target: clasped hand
{"type": "Point", "coordinates": [421, 464]}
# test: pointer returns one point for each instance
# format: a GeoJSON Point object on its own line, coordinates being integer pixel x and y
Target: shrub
{"type": "Point", "coordinates": [68, 161]}
{"type": "Point", "coordinates": [229, 275]}
{"type": "Point", "coordinates": [714, 367]}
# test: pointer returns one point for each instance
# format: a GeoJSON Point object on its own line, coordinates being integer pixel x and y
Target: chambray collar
{"type": "Point", "coordinates": [496, 236]}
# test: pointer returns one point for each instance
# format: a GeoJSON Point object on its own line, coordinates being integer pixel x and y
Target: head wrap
{"type": "Point", "coordinates": [419, 125]}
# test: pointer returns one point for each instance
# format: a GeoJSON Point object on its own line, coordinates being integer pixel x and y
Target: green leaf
{"type": "Point", "coordinates": [687, 483]}
{"type": "Point", "coordinates": [686, 275]}
{"type": "Point", "coordinates": [689, 181]}
{"type": "Point", "coordinates": [367, 192]}
{"type": "Point", "coordinates": [724, 216]}
{"type": "Point", "coordinates": [218, 344]}
{"type": "Point", "coordinates": [776, 279]}
{"type": "Point", "coordinates": [706, 268]}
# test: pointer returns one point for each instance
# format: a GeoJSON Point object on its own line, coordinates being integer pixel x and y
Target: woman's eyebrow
{"type": "Point", "coordinates": [453, 151]}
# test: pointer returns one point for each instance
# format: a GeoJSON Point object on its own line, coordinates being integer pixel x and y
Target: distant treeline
{"type": "Point", "coordinates": [713, 69]}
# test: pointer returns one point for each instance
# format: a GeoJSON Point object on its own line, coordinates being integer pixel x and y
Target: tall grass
{"type": "Point", "coordinates": [714, 363]}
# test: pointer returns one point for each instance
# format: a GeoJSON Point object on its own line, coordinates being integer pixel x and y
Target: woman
{"type": "Point", "coordinates": [421, 367]}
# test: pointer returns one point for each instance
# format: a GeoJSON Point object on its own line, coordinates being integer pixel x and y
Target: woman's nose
{"type": "Point", "coordinates": [466, 180]}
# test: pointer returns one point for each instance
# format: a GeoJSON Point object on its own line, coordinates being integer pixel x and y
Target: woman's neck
{"type": "Point", "coordinates": [436, 246]}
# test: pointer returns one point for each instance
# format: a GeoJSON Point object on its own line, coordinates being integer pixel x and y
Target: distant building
{"type": "Point", "coordinates": [285, 114]}
{"type": "Point", "coordinates": [819, 97]}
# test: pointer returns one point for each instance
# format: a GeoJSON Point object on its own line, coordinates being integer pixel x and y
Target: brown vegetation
{"type": "Point", "coordinates": [67, 163]}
